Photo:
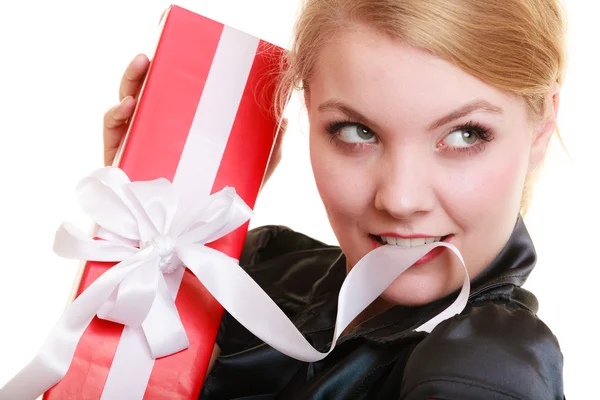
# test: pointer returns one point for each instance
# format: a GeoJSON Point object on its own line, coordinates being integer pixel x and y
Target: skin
{"type": "Point", "coordinates": [395, 172]}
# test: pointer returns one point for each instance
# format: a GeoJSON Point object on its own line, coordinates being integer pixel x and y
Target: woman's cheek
{"type": "Point", "coordinates": [343, 183]}
{"type": "Point", "coordinates": [490, 186]}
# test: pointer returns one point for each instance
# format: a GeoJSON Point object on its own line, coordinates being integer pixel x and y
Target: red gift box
{"type": "Point", "coordinates": [204, 121]}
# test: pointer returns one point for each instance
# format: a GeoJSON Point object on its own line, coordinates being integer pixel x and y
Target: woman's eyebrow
{"type": "Point", "coordinates": [477, 105]}
{"type": "Point", "coordinates": [337, 105]}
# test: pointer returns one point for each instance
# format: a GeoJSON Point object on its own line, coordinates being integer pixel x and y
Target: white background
{"type": "Point", "coordinates": [60, 66]}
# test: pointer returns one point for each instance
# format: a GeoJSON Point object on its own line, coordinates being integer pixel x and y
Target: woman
{"type": "Point", "coordinates": [428, 120]}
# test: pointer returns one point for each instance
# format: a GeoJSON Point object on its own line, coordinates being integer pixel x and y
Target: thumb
{"type": "Point", "coordinates": [282, 130]}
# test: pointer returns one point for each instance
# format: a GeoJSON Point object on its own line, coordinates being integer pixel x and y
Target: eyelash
{"type": "Point", "coordinates": [334, 127]}
{"type": "Point", "coordinates": [484, 134]}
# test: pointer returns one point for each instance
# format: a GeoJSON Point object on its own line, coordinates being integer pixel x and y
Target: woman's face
{"type": "Point", "coordinates": [407, 148]}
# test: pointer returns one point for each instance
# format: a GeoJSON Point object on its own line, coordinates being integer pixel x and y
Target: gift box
{"type": "Point", "coordinates": [204, 121]}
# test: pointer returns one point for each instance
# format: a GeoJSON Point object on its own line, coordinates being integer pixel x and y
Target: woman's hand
{"type": "Point", "coordinates": [116, 119]}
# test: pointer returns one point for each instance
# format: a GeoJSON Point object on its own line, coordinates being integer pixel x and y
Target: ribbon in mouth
{"type": "Point", "coordinates": [380, 240]}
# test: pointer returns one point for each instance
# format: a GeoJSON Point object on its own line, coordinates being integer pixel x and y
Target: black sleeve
{"type": "Point", "coordinates": [493, 352]}
{"type": "Point", "coordinates": [271, 241]}
{"type": "Point", "coordinates": [262, 245]}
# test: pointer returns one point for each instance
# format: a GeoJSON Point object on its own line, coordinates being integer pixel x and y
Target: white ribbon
{"type": "Point", "coordinates": [149, 236]}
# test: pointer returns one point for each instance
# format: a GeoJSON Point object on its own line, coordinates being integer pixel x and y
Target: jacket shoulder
{"type": "Point", "coordinates": [493, 351]}
{"type": "Point", "coordinates": [285, 264]}
{"type": "Point", "coordinates": [271, 241]}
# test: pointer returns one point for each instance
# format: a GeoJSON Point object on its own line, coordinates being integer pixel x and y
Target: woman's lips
{"type": "Point", "coordinates": [433, 254]}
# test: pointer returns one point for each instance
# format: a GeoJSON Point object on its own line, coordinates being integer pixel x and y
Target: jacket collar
{"type": "Point", "coordinates": [512, 265]}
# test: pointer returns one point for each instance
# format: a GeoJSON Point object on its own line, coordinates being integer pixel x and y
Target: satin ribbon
{"type": "Point", "coordinates": [149, 236]}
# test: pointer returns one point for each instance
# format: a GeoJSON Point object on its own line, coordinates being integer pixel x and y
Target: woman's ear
{"type": "Point", "coordinates": [544, 129]}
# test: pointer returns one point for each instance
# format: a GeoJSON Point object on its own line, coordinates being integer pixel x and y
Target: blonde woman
{"type": "Point", "coordinates": [428, 120]}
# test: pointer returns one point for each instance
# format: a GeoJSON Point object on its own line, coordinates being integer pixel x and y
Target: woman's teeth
{"type": "Point", "coordinates": [409, 242]}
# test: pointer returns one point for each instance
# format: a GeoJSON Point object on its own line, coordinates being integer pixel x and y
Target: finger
{"type": "Point", "coordinates": [281, 133]}
{"type": "Point", "coordinates": [119, 114]}
{"type": "Point", "coordinates": [115, 126]}
{"type": "Point", "coordinates": [109, 156]}
{"type": "Point", "coordinates": [284, 125]}
{"type": "Point", "coordinates": [276, 153]}
{"type": "Point", "coordinates": [134, 76]}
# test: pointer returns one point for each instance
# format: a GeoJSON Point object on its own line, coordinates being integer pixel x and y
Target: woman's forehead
{"type": "Point", "coordinates": [374, 71]}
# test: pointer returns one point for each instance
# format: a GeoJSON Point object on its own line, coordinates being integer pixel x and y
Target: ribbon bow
{"type": "Point", "coordinates": [149, 236]}
{"type": "Point", "coordinates": [143, 229]}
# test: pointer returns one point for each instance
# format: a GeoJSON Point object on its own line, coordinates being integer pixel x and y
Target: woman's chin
{"type": "Point", "coordinates": [425, 283]}
{"type": "Point", "coordinates": [414, 291]}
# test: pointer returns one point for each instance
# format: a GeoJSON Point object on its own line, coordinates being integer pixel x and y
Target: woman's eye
{"type": "Point", "coordinates": [461, 138]}
{"type": "Point", "coordinates": [356, 134]}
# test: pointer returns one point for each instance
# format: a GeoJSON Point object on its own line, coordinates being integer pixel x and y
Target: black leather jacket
{"type": "Point", "coordinates": [496, 349]}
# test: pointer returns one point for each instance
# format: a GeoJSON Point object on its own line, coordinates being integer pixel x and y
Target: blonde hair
{"type": "Point", "coordinates": [515, 45]}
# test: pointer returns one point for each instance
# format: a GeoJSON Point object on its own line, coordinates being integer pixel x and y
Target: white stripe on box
{"type": "Point", "coordinates": [197, 169]}
{"type": "Point", "coordinates": [215, 116]}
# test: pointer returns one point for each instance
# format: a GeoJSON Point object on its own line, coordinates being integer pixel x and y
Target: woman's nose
{"type": "Point", "coordinates": [405, 186]}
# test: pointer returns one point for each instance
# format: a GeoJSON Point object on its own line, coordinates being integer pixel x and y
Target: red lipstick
{"type": "Point", "coordinates": [433, 254]}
